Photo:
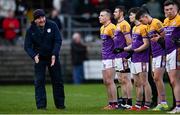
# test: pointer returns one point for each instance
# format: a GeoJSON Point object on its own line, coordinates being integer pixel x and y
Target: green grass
{"type": "Point", "coordinates": [88, 98]}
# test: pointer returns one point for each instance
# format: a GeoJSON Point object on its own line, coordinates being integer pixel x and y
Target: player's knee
{"type": "Point", "coordinates": [123, 81]}
{"type": "Point", "coordinates": [108, 82]}
{"type": "Point", "coordinates": [173, 82]}
{"type": "Point", "coordinates": [156, 79]}
{"type": "Point", "coordinates": [120, 80]}
{"type": "Point", "coordinates": [143, 83]}
{"type": "Point", "coordinates": [137, 84]}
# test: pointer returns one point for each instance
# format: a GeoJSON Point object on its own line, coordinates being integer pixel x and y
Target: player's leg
{"type": "Point", "coordinates": [143, 74]}
{"type": "Point", "coordinates": [158, 70]}
{"type": "Point", "coordinates": [174, 73]}
{"type": "Point", "coordinates": [138, 86]}
{"type": "Point", "coordinates": [108, 79]}
{"type": "Point", "coordinates": [123, 88]}
{"type": "Point", "coordinates": [127, 89]}
{"type": "Point", "coordinates": [119, 70]}
{"type": "Point", "coordinates": [127, 81]}
{"type": "Point", "coordinates": [139, 92]}
{"type": "Point", "coordinates": [175, 81]}
{"type": "Point", "coordinates": [147, 89]}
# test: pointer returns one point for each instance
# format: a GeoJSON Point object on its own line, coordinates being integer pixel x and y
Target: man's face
{"type": "Point", "coordinates": [132, 17]}
{"type": "Point", "coordinates": [77, 38]}
{"type": "Point", "coordinates": [117, 14]}
{"type": "Point", "coordinates": [40, 21]}
{"type": "Point", "coordinates": [103, 18]}
{"type": "Point", "coordinates": [170, 11]}
{"type": "Point", "coordinates": [144, 19]}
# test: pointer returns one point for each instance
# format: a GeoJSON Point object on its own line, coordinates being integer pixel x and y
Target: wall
{"type": "Point", "coordinates": [16, 66]}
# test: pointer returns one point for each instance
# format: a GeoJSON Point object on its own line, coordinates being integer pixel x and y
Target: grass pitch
{"type": "Point", "coordinates": [80, 99]}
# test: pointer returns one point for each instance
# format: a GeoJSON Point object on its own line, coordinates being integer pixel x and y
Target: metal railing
{"type": "Point", "coordinates": [72, 24]}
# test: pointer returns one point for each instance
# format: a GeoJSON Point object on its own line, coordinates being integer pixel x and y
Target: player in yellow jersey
{"type": "Point", "coordinates": [140, 59]}
{"type": "Point", "coordinates": [122, 38]}
{"type": "Point", "coordinates": [171, 23]}
{"type": "Point", "coordinates": [155, 27]}
{"type": "Point", "coordinates": [107, 35]}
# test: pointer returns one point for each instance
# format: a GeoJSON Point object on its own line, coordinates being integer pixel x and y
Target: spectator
{"type": "Point", "coordinates": [5, 6]}
{"type": "Point", "coordinates": [154, 8]}
{"type": "Point", "coordinates": [68, 6]}
{"type": "Point", "coordinates": [137, 3]}
{"type": "Point", "coordinates": [21, 13]}
{"type": "Point", "coordinates": [57, 4]}
{"type": "Point", "coordinates": [10, 27]}
{"type": "Point", "coordinates": [84, 7]}
{"type": "Point", "coordinates": [54, 17]}
{"type": "Point", "coordinates": [22, 7]}
{"type": "Point", "coordinates": [78, 55]}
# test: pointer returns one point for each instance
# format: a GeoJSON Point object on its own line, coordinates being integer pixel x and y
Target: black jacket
{"type": "Point", "coordinates": [78, 53]}
{"type": "Point", "coordinates": [57, 21]}
{"type": "Point", "coordinates": [46, 43]}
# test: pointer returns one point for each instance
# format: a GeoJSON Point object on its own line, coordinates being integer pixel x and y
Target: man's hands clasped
{"type": "Point", "coordinates": [53, 59]}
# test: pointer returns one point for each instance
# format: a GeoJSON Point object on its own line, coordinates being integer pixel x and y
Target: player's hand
{"type": "Point", "coordinates": [118, 50]}
{"type": "Point", "coordinates": [130, 53]}
{"type": "Point", "coordinates": [176, 41]}
{"type": "Point", "coordinates": [53, 58]}
{"type": "Point", "coordinates": [155, 37]}
{"type": "Point", "coordinates": [161, 42]}
{"type": "Point", "coordinates": [36, 58]}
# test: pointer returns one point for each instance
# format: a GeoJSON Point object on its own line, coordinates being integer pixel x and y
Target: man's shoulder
{"type": "Point", "coordinates": [166, 20]}
{"type": "Point", "coordinates": [50, 22]}
{"type": "Point", "coordinates": [156, 21]}
{"type": "Point", "coordinates": [30, 28]}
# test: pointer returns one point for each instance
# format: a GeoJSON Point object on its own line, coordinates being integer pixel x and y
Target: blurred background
{"type": "Point", "coordinates": [71, 16]}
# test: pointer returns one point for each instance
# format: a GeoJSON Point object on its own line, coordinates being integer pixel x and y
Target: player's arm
{"type": "Point", "coordinates": [159, 37]}
{"type": "Point", "coordinates": [128, 42]}
{"type": "Point", "coordinates": [128, 48]}
{"type": "Point", "coordinates": [145, 39]}
{"type": "Point", "coordinates": [126, 29]}
{"type": "Point", "coordinates": [117, 49]}
{"type": "Point", "coordinates": [128, 39]}
{"type": "Point", "coordinates": [143, 47]}
{"type": "Point", "coordinates": [160, 29]}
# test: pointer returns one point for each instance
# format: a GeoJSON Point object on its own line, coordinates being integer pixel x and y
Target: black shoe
{"type": "Point", "coordinates": [61, 107]}
{"type": "Point", "coordinates": [121, 107]}
{"type": "Point", "coordinates": [153, 104]}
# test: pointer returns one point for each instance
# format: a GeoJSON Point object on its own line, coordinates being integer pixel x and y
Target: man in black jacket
{"type": "Point", "coordinates": [78, 55]}
{"type": "Point", "coordinates": [42, 44]}
{"type": "Point", "coordinates": [54, 17]}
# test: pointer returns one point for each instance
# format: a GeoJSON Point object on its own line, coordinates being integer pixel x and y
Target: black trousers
{"type": "Point", "coordinates": [57, 83]}
{"type": "Point", "coordinates": [153, 87]}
